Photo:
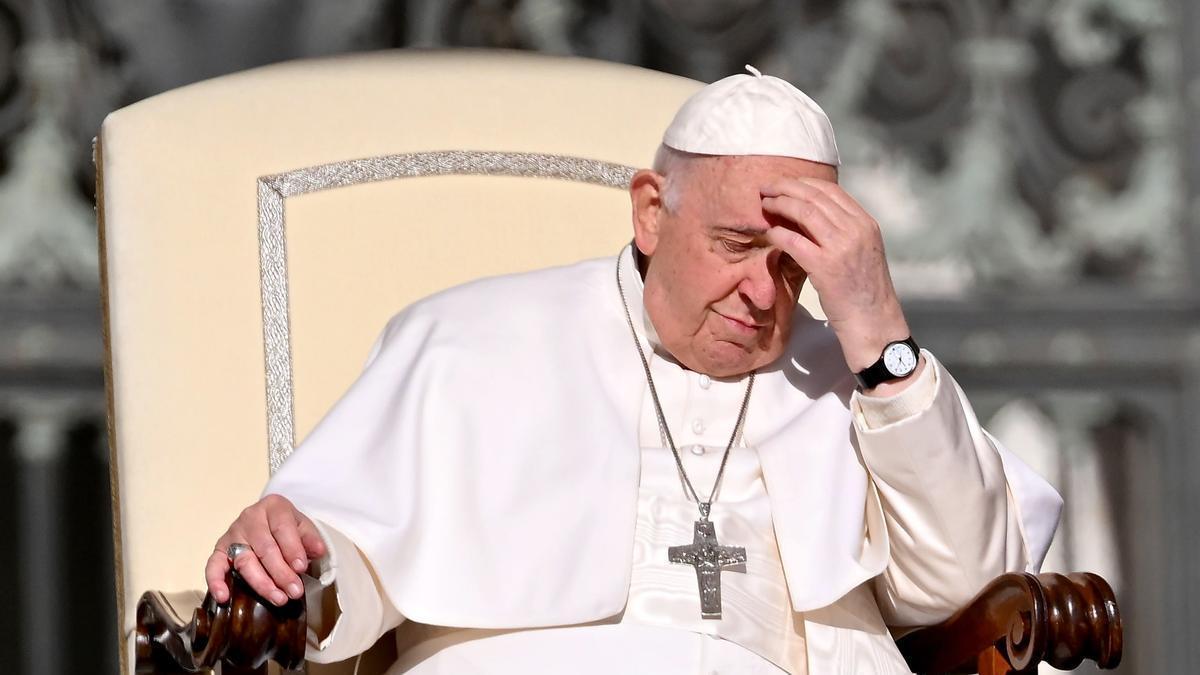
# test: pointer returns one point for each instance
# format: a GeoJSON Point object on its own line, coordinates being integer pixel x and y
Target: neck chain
{"type": "Point", "coordinates": [662, 420]}
{"type": "Point", "coordinates": [705, 554]}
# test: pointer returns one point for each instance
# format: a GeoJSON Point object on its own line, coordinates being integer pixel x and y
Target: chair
{"type": "Point", "coordinates": [258, 229]}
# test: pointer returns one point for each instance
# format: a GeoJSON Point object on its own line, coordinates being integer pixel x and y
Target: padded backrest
{"type": "Point", "coordinates": [258, 229]}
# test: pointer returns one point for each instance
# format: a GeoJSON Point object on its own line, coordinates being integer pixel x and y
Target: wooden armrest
{"type": "Point", "coordinates": [1019, 620]}
{"type": "Point", "coordinates": [1014, 623]}
{"type": "Point", "coordinates": [242, 634]}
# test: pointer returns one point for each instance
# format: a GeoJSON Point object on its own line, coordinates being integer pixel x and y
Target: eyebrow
{"type": "Point", "coordinates": [742, 229]}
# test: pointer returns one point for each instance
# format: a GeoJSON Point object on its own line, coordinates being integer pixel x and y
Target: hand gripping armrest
{"type": "Point", "coordinates": [242, 634]}
{"type": "Point", "coordinates": [1019, 620]}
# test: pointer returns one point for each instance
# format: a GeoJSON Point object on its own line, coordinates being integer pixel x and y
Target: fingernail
{"type": "Point", "coordinates": [295, 590]}
{"type": "Point", "coordinates": [278, 598]}
{"type": "Point", "coordinates": [298, 565]}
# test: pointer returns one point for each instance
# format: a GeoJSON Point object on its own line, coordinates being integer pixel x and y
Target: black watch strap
{"type": "Point", "coordinates": [877, 373]}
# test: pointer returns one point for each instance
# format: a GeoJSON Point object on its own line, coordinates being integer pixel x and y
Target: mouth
{"type": "Point", "coordinates": [744, 326]}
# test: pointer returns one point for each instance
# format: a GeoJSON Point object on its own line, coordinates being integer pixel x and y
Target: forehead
{"type": "Point", "coordinates": [729, 186]}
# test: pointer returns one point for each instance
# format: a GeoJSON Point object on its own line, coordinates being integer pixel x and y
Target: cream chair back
{"type": "Point", "coordinates": [258, 229]}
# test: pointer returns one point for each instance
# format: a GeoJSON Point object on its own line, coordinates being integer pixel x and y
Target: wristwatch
{"type": "Point", "coordinates": [899, 359]}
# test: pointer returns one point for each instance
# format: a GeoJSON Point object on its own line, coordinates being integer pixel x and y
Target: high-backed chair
{"type": "Point", "coordinates": [258, 229]}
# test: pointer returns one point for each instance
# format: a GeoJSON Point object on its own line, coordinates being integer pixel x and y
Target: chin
{"type": "Point", "coordinates": [722, 372]}
{"type": "Point", "coordinates": [729, 360]}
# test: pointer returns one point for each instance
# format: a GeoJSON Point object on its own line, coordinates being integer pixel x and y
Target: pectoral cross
{"type": "Point", "coordinates": [708, 557]}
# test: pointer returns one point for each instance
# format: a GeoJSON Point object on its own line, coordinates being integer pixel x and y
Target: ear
{"type": "Point", "coordinates": [645, 192]}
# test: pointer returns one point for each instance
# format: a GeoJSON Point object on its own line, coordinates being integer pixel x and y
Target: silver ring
{"type": "Point", "coordinates": [235, 550]}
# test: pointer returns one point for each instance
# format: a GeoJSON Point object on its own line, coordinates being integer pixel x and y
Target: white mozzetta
{"type": "Point", "coordinates": [504, 492]}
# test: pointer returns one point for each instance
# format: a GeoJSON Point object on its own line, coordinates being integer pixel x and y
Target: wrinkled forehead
{"type": "Point", "coordinates": [727, 166]}
{"type": "Point", "coordinates": [732, 183]}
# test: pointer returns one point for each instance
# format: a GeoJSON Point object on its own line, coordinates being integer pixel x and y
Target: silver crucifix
{"type": "Point", "coordinates": [708, 557]}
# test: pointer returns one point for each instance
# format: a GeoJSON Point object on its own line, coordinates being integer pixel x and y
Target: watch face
{"type": "Point", "coordinates": [899, 359]}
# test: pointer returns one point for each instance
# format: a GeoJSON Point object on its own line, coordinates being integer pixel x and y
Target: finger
{"type": "Point", "coordinates": [809, 190]}
{"type": "Point", "coordinates": [286, 532]}
{"type": "Point", "coordinates": [807, 216]}
{"type": "Point", "coordinates": [295, 532]}
{"type": "Point", "coordinates": [271, 559]}
{"type": "Point", "coordinates": [799, 247]}
{"type": "Point", "coordinates": [314, 545]}
{"type": "Point", "coordinates": [214, 574]}
{"type": "Point", "coordinates": [835, 193]}
{"type": "Point", "coordinates": [248, 565]}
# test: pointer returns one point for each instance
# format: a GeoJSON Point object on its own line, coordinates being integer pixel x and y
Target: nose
{"type": "Point", "coordinates": [759, 284]}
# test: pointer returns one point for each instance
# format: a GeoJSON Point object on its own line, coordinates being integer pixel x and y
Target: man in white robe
{"type": "Point", "coordinates": [501, 484]}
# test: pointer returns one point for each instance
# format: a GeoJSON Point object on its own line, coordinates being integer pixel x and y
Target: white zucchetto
{"type": "Point", "coordinates": [753, 114]}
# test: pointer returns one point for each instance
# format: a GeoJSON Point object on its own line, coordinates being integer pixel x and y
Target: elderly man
{"type": "Point", "coordinates": [658, 461]}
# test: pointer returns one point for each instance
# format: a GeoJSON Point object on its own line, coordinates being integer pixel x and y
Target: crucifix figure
{"type": "Point", "coordinates": [708, 557]}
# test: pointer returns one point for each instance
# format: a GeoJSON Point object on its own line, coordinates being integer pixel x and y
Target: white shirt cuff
{"type": "Point", "coordinates": [322, 573]}
{"type": "Point", "coordinates": [874, 412]}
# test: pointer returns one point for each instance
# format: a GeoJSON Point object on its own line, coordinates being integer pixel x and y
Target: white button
{"type": "Point", "coordinates": [699, 449]}
{"type": "Point", "coordinates": [705, 381]}
{"type": "Point", "coordinates": [698, 426]}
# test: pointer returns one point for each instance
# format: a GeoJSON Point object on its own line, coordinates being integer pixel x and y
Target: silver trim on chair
{"type": "Point", "coordinates": [272, 241]}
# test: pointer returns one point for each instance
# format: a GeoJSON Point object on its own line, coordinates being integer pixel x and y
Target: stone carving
{"type": "Point", "coordinates": [46, 228]}
{"type": "Point", "coordinates": [1029, 143]}
{"type": "Point", "coordinates": [996, 145]}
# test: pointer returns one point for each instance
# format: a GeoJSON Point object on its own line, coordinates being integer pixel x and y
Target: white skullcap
{"type": "Point", "coordinates": [753, 115]}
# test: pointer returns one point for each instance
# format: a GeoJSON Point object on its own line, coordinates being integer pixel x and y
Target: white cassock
{"type": "Point", "coordinates": [498, 467]}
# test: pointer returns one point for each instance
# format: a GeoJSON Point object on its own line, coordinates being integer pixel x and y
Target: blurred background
{"type": "Point", "coordinates": [1035, 166]}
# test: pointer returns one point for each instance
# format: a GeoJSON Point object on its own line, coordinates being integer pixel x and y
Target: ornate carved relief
{"type": "Point", "coordinates": [1027, 143]}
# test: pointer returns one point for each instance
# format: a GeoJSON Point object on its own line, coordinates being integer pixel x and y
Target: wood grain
{"type": "Point", "coordinates": [242, 634]}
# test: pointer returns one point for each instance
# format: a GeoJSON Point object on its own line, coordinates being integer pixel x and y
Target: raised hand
{"type": "Point", "coordinates": [282, 541]}
{"type": "Point", "coordinates": [839, 244]}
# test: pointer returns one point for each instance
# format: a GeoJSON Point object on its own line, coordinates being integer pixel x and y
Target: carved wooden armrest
{"type": "Point", "coordinates": [1014, 623]}
{"type": "Point", "coordinates": [1019, 620]}
{"type": "Point", "coordinates": [242, 634]}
